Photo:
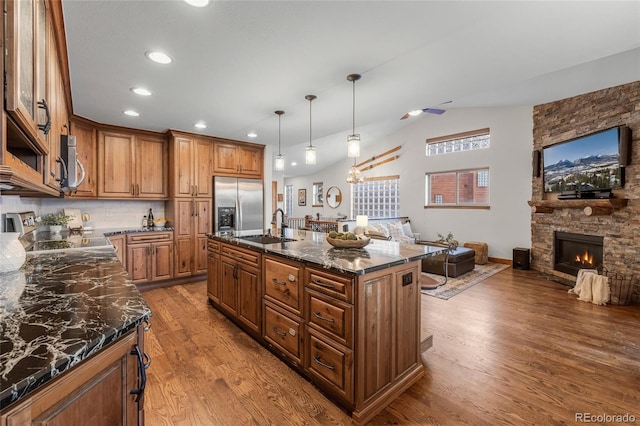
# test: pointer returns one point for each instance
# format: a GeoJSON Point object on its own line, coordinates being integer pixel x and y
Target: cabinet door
{"type": "Point", "coordinates": [249, 302]}
{"type": "Point", "coordinates": [228, 293]}
{"type": "Point", "coordinates": [86, 148]}
{"type": "Point", "coordinates": [225, 159]}
{"type": "Point", "coordinates": [182, 161]}
{"type": "Point", "coordinates": [250, 160]}
{"type": "Point", "coordinates": [151, 167]}
{"type": "Point", "coordinates": [200, 258]}
{"type": "Point", "coordinates": [202, 168]}
{"type": "Point", "coordinates": [162, 266]}
{"type": "Point", "coordinates": [184, 256]}
{"type": "Point", "coordinates": [213, 277]}
{"type": "Point", "coordinates": [115, 165]}
{"type": "Point", "coordinates": [138, 265]}
{"type": "Point", "coordinates": [120, 247]}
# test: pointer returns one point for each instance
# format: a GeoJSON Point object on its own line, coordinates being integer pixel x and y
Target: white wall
{"type": "Point", "coordinates": [504, 226]}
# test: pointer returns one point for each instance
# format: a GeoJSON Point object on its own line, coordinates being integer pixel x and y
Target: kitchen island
{"type": "Point", "coordinates": [346, 319]}
{"type": "Point", "coordinates": [71, 339]}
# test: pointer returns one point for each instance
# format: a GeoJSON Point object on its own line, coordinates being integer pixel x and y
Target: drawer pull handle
{"type": "Point", "coordinates": [316, 358]}
{"type": "Point", "coordinates": [147, 327]}
{"type": "Point", "coordinates": [321, 284]}
{"type": "Point", "coordinates": [320, 317]}
{"type": "Point", "coordinates": [275, 281]}
{"type": "Point", "coordinates": [279, 333]}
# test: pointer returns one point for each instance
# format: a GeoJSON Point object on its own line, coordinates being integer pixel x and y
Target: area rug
{"type": "Point", "coordinates": [461, 283]}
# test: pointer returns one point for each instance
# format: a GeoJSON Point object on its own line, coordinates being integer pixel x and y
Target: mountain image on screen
{"type": "Point", "coordinates": [587, 163]}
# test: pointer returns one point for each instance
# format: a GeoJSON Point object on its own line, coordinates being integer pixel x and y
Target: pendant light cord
{"type": "Point", "coordinates": [354, 108]}
{"type": "Point", "coordinates": [310, 102]}
{"type": "Point", "coordinates": [279, 128]}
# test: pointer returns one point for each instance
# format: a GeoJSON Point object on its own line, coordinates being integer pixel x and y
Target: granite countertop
{"type": "Point", "coordinates": [312, 247]}
{"type": "Point", "coordinates": [57, 310]}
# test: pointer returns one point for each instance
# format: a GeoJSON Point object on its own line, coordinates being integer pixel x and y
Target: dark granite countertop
{"type": "Point", "coordinates": [59, 309]}
{"type": "Point", "coordinates": [312, 247]}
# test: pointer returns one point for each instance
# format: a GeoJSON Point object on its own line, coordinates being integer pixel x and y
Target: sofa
{"type": "Point", "coordinates": [396, 230]}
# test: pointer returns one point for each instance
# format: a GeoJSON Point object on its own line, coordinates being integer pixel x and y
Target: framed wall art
{"type": "Point", "coordinates": [302, 197]}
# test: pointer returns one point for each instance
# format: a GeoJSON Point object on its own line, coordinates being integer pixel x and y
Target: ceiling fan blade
{"type": "Point", "coordinates": [434, 111]}
{"type": "Point", "coordinates": [404, 116]}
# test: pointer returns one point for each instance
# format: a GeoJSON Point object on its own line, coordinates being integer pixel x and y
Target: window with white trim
{"type": "Point", "coordinates": [377, 197]}
{"type": "Point", "coordinates": [459, 142]}
{"type": "Point", "coordinates": [458, 188]}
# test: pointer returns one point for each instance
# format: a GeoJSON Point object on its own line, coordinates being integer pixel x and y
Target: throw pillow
{"type": "Point", "coordinates": [406, 227]}
{"type": "Point", "coordinates": [396, 231]}
{"type": "Point", "coordinates": [380, 227]}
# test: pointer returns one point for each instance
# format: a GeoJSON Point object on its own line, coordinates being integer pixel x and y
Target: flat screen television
{"type": "Point", "coordinates": [588, 163]}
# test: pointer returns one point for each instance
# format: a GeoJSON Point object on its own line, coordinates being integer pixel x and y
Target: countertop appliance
{"type": "Point", "coordinates": [35, 240]}
{"type": "Point", "coordinates": [237, 204]}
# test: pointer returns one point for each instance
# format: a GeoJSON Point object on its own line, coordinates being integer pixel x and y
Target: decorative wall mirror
{"type": "Point", "coordinates": [318, 197]}
{"type": "Point", "coordinates": [334, 197]}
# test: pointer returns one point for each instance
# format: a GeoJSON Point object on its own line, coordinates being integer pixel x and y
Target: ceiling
{"type": "Point", "coordinates": [236, 62]}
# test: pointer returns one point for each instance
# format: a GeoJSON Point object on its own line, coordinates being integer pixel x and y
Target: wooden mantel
{"type": "Point", "coordinates": [591, 207]}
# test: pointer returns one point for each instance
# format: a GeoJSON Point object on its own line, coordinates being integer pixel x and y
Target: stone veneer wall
{"type": "Point", "coordinates": [574, 117]}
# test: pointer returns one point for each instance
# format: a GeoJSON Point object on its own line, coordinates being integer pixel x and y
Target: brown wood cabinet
{"type": "Point", "coordinates": [235, 159]}
{"type": "Point", "coordinates": [150, 256]}
{"type": "Point", "coordinates": [213, 271]}
{"type": "Point", "coordinates": [132, 165]}
{"type": "Point", "coordinates": [191, 166]}
{"type": "Point", "coordinates": [240, 287]}
{"type": "Point", "coordinates": [191, 222]}
{"type": "Point", "coordinates": [87, 150]}
{"type": "Point", "coordinates": [96, 392]}
{"type": "Point", "coordinates": [119, 243]}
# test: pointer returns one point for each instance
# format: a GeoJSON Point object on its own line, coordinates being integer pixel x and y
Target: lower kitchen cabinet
{"type": "Point", "coordinates": [213, 271]}
{"type": "Point", "coordinates": [119, 243]}
{"type": "Point", "coordinates": [192, 222]}
{"type": "Point", "coordinates": [150, 256]}
{"type": "Point", "coordinates": [97, 392]}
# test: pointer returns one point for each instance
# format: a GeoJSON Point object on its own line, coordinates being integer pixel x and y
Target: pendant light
{"type": "Point", "coordinates": [353, 140]}
{"type": "Point", "coordinates": [279, 166]}
{"type": "Point", "coordinates": [310, 154]}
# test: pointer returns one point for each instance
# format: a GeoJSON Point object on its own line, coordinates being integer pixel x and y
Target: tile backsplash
{"type": "Point", "coordinates": [103, 213]}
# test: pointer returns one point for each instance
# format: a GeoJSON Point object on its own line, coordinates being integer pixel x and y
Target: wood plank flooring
{"type": "Point", "coordinates": [515, 349]}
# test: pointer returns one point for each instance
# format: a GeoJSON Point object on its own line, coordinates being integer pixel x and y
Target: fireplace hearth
{"type": "Point", "coordinates": [573, 252]}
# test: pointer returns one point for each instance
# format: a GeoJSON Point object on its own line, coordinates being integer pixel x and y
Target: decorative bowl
{"type": "Point", "coordinates": [159, 223]}
{"type": "Point", "coordinates": [359, 243]}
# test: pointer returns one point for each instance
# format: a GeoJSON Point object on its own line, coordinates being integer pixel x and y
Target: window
{"type": "Point", "coordinates": [468, 188]}
{"type": "Point", "coordinates": [377, 197]}
{"type": "Point", "coordinates": [467, 141]}
{"type": "Point", "coordinates": [288, 200]}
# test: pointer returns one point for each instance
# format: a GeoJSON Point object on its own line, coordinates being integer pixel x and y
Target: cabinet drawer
{"type": "Point", "coordinates": [283, 283]}
{"type": "Point", "coordinates": [148, 237]}
{"type": "Point", "coordinates": [331, 364]}
{"type": "Point", "coordinates": [283, 331]}
{"type": "Point", "coordinates": [247, 257]}
{"type": "Point", "coordinates": [327, 283]}
{"type": "Point", "coordinates": [213, 246]}
{"type": "Point", "coordinates": [330, 315]}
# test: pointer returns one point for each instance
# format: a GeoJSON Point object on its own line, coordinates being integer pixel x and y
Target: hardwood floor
{"type": "Point", "coordinates": [514, 349]}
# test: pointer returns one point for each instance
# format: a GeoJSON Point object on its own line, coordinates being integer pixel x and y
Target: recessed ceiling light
{"type": "Point", "coordinates": [131, 113]}
{"type": "Point", "coordinates": [415, 112]}
{"type": "Point", "coordinates": [159, 57]}
{"type": "Point", "coordinates": [140, 91]}
{"type": "Point", "coordinates": [197, 3]}
{"type": "Point", "coordinates": [200, 125]}
{"type": "Point", "coordinates": [293, 163]}
{"type": "Point", "coordinates": [252, 134]}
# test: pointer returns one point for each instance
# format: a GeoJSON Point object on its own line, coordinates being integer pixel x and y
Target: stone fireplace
{"type": "Point", "coordinates": [573, 252]}
{"type": "Point", "coordinates": [615, 223]}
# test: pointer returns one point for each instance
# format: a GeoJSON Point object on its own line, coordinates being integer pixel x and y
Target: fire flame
{"type": "Point", "coordinates": [585, 259]}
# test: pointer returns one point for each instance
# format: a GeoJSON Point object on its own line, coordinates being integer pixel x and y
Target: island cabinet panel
{"type": "Point", "coordinates": [284, 331]}
{"type": "Point", "coordinates": [331, 365]}
{"type": "Point", "coordinates": [240, 287]}
{"type": "Point", "coordinates": [283, 283]}
{"type": "Point", "coordinates": [213, 271]}
{"type": "Point", "coordinates": [331, 316]}
{"type": "Point", "coordinates": [96, 392]}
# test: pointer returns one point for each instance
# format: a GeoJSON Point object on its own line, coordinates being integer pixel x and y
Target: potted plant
{"type": "Point", "coordinates": [55, 221]}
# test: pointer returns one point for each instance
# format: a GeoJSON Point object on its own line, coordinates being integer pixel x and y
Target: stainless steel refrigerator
{"type": "Point", "coordinates": [237, 204]}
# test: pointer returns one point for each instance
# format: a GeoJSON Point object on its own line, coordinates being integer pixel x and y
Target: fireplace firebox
{"type": "Point", "coordinates": [573, 252]}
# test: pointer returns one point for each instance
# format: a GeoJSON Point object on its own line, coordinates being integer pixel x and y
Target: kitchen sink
{"type": "Point", "coordinates": [266, 239]}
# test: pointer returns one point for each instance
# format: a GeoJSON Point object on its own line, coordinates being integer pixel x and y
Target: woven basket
{"type": "Point", "coordinates": [359, 243]}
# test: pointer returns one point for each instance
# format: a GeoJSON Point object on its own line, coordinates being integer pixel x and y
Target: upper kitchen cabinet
{"type": "Point", "coordinates": [236, 159]}
{"type": "Point", "coordinates": [191, 166]}
{"type": "Point", "coordinates": [26, 69]}
{"type": "Point", "coordinates": [87, 149]}
{"type": "Point", "coordinates": [132, 165]}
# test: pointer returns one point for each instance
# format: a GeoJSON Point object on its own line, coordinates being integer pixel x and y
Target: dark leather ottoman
{"type": "Point", "coordinates": [461, 261]}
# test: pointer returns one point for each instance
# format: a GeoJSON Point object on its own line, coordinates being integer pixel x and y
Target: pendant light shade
{"type": "Point", "coordinates": [310, 153]}
{"type": "Point", "coordinates": [279, 165]}
{"type": "Point", "coordinates": [353, 140]}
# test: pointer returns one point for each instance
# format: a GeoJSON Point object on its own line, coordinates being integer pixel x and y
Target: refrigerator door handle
{"type": "Point", "coordinates": [239, 211]}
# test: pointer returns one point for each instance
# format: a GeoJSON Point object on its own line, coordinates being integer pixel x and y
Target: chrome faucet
{"type": "Point", "coordinates": [274, 221]}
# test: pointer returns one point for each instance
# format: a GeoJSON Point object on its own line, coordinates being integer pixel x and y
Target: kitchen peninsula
{"type": "Point", "coordinates": [72, 335]}
{"type": "Point", "coordinates": [346, 319]}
